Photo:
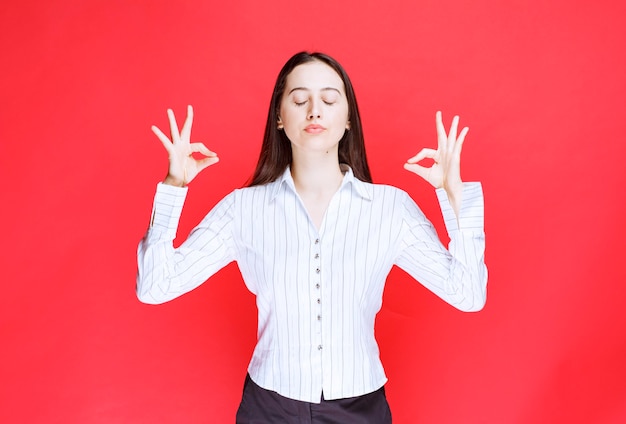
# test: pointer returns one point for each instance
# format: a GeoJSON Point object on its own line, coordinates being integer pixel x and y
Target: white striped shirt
{"type": "Point", "coordinates": [317, 292]}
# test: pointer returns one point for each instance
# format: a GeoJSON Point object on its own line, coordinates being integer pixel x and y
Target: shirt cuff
{"type": "Point", "coordinates": [472, 211]}
{"type": "Point", "coordinates": [167, 208]}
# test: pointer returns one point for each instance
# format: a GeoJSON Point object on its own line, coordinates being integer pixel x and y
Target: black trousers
{"type": "Point", "coordinates": [261, 406]}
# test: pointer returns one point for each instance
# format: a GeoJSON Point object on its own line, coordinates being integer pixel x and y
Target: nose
{"type": "Point", "coordinates": [315, 111]}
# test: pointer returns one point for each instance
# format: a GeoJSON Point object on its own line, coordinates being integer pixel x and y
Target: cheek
{"type": "Point", "coordinates": [290, 127]}
{"type": "Point", "coordinates": [287, 114]}
{"type": "Point", "coordinates": [343, 111]}
{"type": "Point", "coordinates": [342, 117]}
{"type": "Point", "coordinates": [283, 109]}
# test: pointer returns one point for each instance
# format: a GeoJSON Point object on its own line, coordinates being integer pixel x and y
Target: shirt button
{"type": "Point", "coordinates": [319, 301]}
{"type": "Point", "coordinates": [319, 347]}
{"type": "Point", "coordinates": [317, 270]}
{"type": "Point", "coordinates": [317, 241]}
{"type": "Point", "coordinates": [317, 256]}
{"type": "Point", "coordinates": [317, 286]}
{"type": "Point", "coordinates": [319, 317]}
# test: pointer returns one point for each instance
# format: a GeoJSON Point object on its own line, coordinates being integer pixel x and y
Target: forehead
{"type": "Point", "coordinates": [313, 76]}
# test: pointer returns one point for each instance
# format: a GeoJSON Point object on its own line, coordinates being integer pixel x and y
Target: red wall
{"type": "Point", "coordinates": [541, 85]}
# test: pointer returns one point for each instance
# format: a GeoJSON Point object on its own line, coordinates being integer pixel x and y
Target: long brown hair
{"type": "Point", "coordinates": [276, 148]}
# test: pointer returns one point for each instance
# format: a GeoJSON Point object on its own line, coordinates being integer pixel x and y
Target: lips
{"type": "Point", "coordinates": [314, 129]}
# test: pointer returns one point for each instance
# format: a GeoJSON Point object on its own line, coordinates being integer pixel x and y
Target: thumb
{"type": "Point", "coordinates": [206, 162]}
{"type": "Point", "coordinates": [420, 170]}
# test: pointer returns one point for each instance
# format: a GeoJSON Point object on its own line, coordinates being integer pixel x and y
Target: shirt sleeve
{"type": "Point", "coordinates": [458, 274]}
{"type": "Point", "coordinates": [163, 272]}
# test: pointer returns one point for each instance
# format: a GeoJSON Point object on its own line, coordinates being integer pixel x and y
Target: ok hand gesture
{"type": "Point", "coordinates": [445, 172]}
{"type": "Point", "coordinates": [183, 166]}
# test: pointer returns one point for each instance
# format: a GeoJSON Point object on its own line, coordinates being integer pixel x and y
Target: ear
{"type": "Point", "coordinates": [279, 123]}
{"type": "Point", "coordinates": [348, 125]}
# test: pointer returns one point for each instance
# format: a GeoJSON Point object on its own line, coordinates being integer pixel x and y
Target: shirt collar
{"type": "Point", "coordinates": [362, 189]}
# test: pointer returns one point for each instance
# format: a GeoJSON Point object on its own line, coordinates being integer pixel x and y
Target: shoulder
{"type": "Point", "coordinates": [254, 195]}
{"type": "Point", "coordinates": [383, 192]}
{"type": "Point", "coordinates": [255, 190]}
{"type": "Point", "coordinates": [395, 201]}
{"type": "Point", "coordinates": [238, 202]}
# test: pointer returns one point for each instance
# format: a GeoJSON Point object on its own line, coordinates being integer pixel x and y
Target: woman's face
{"type": "Point", "coordinates": [314, 108]}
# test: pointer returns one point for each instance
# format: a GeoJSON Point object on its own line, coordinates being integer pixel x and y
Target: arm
{"type": "Point", "coordinates": [458, 274]}
{"type": "Point", "coordinates": [165, 272]}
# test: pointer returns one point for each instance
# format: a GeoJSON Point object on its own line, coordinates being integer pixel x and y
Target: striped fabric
{"type": "Point", "coordinates": [317, 291]}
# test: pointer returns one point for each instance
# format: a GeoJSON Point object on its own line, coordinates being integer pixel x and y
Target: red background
{"type": "Point", "coordinates": [541, 85]}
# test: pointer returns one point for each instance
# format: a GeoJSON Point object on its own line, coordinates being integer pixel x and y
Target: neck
{"type": "Point", "coordinates": [316, 175]}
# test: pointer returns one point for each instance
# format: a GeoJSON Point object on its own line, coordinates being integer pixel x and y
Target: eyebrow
{"type": "Point", "coordinates": [307, 89]}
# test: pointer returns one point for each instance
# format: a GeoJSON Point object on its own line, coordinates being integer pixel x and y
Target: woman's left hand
{"type": "Point", "coordinates": [445, 172]}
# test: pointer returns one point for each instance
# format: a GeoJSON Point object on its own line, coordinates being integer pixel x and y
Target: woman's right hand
{"type": "Point", "coordinates": [183, 166]}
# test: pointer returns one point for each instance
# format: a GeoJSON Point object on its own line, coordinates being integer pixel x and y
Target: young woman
{"type": "Point", "coordinates": [315, 240]}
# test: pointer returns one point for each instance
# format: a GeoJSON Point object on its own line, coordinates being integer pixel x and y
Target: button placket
{"type": "Point", "coordinates": [317, 295]}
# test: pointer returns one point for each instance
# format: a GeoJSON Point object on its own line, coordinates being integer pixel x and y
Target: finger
{"type": "Point", "coordinates": [461, 139]}
{"type": "Point", "coordinates": [441, 131]}
{"type": "Point", "coordinates": [201, 148]}
{"type": "Point", "coordinates": [459, 142]}
{"type": "Point", "coordinates": [420, 170]}
{"type": "Point", "coordinates": [173, 126]}
{"type": "Point", "coordinates": [453, 131]}
{"type": "Point", "coordinates": [423, 154]}
{"type": "Point", "coordinates": [185, 132]}
{"type": "Point", "coordinates": [164, 139]}
{"type": "Point", "coordinates": [206, 162]}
